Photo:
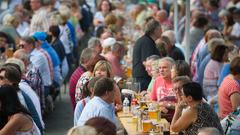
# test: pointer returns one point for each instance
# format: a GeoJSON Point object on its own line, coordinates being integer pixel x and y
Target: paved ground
{"type": "Point", "coordinates": [61, 119]}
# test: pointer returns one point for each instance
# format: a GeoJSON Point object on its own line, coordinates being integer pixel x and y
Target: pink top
{"type": "Point", "coordinates": [211, 74]}
{"type": "Point", "coordinates": [115, 62]}
{"type": "Point", "coordinates": [161, 88]}
{"type": "Point", "coordinates": [228, 87]}
{"type": "Point", "coordinates": [213, 69]}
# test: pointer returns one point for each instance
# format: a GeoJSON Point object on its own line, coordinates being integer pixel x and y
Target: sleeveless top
{"type": "Point", "coordinates": [206, 117]}
{"type": "Point", "coordinates": [33, 131]}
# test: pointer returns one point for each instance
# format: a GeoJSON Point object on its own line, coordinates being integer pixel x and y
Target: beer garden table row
{"type": "Point", "coordinates": [131, 127]}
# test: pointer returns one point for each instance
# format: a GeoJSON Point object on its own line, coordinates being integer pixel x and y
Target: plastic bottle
{"type": "Point", "coordinates": [126, 107]}
{"type": "Point", "coordinates": [133, 107]}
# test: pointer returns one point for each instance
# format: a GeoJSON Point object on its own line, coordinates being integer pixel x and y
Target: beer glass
{"type": "Point", "coordinates": [146, 125]}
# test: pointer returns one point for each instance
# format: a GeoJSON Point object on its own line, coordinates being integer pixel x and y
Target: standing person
{"type": "Point", "coordinates": [57, 45]}
{"type": "Point", "coordinates": [15, 119]}
{"type": "Point", "coordinates": [174, 50]}
{"type": "Point", "coordinates": [145, 46]}
{"type": "Point", "coordinates": [38, 59]}
{"type": "Point", "coordinates": [95, 43]}
{"type": "Point", "coordinates": [114, 57]}
{"type": "Point", "coordinates": [32, 75]}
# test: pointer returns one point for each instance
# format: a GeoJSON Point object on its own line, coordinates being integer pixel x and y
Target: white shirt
{"type": "Point", "coordinates": [65, 37]}
{"type": "Point", "coordinates": [236, 32]}
{"type": "Point", "coordinates": [41, 63]}
{"type": "Point", "coordinates": [24, 86]}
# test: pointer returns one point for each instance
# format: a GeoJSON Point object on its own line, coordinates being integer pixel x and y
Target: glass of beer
{"type": "Point", "coordinates": [143, 104]}
{"type": "Point", "coordinates": [146, 125]}
{"type": "Point", "coordinates": [153, 114]}
{"type": "Point", "coordinates": [134, 119]}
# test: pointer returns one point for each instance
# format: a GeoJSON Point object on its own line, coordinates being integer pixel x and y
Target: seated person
{"type": "Point", "coordinates": [229, 90]}
{"type": "Point", "coordinates": [162, 88]}
{"type": "Point", "coordinates": [102, 102]}
{"type": "Point", "coordinates": [198, 114]}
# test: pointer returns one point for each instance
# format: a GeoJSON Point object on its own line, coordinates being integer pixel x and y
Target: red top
{"type": "Point", "coordinates": [73, 82]}
{"type": "Point", "coordinates": [228, 87]}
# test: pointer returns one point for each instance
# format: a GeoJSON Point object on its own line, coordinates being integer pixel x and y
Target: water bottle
{"type": "Point", "coordinates": [134, 107]}
{"type": "Point", "coordinates": [126, 105]}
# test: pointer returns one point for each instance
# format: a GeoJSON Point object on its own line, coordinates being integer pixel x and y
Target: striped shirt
{"type": "Point", "coordinates": [73, 82]}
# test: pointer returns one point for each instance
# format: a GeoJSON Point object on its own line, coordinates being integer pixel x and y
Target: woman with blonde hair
{"type": "Point", "coordinates": [104, 69]}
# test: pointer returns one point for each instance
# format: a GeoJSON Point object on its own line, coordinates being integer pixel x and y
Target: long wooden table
{"type": "Point", "coordinates": [130, 126]}
{"type": "Point", "coordinates": [127, 123]}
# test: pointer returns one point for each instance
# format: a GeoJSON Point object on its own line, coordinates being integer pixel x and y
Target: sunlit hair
{"type": "Point", "coordinates": [18, 62]}
{"type": "Point", "coordinates": [170, 61]}
{"type": "Point", "coordinates": [64, 12]}
{"type": "Point", "coordinates": [182, 68]}
{"type": "Point", "coordinates": [82, 130]}
{"type": "Point", "coordinates": [100, 5]}
{"type": "Point", "coordinates": [39, 22]}
{"type": "Point", "coordinates": [103, 65]}
{"type": "Point", "coordinates": [102, 125]}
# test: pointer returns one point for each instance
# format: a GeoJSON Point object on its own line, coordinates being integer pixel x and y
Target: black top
{"type": "Point", "coordinates": [176, 54]}
{"type": "Point", "coordinates": [144, 47]}
{"type": "Point", "coordinates": [206, 117]}
{"type": "Point", "coordinates": [59, 48]}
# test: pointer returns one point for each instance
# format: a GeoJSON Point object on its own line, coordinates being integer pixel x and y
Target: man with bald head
{"type": "Point", "coordinates": [173, 51]}
{"type": "Point", "coordinates": [202, 50]}
{"type": "Point", "coordinates": [32, 75]}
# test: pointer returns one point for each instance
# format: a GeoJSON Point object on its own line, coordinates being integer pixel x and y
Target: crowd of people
{"type": "Point", "coordinates": [96, 45]}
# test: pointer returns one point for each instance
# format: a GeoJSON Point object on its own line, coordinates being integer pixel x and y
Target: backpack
{"type": "Point", "coordinates": [231, 123]}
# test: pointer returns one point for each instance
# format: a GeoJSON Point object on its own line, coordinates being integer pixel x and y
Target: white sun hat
{"type": "Point", "coordinates": [108, 42]}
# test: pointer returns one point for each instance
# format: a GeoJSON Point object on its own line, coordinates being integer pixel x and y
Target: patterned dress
{"type": "Point", "coordinates": [206, 117]}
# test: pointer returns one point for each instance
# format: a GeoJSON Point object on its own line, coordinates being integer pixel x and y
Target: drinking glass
{"type": "Point", "coordinates": [146, 125]}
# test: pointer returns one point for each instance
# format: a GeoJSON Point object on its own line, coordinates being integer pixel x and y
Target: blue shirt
{"type": "Point", "coordinates": [225, 71]}
{"type": "Point", "coordinates": [54, 57]}
{"type": "Point", "coordinates": [97, 107]}
{"type": "Point", "coordinates": [79, 108]}
{"type": "Point", "coordinates": [203, 52]}
{"type": "Point", "coordinates": [201, 69]}
{"type": "Point", "coordinates": [72, 33]}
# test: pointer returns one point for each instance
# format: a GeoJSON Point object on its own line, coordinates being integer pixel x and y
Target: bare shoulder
{"type": "Point", "coordinates": [191, 113]}
{"type": "Point", "coordinates": [20, 117]}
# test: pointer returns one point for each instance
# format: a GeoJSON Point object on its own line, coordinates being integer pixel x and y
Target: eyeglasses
{"type": "Point", "coordinates": [178, 90]}
{"type": "Point", "coordinates": [2, 78]}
